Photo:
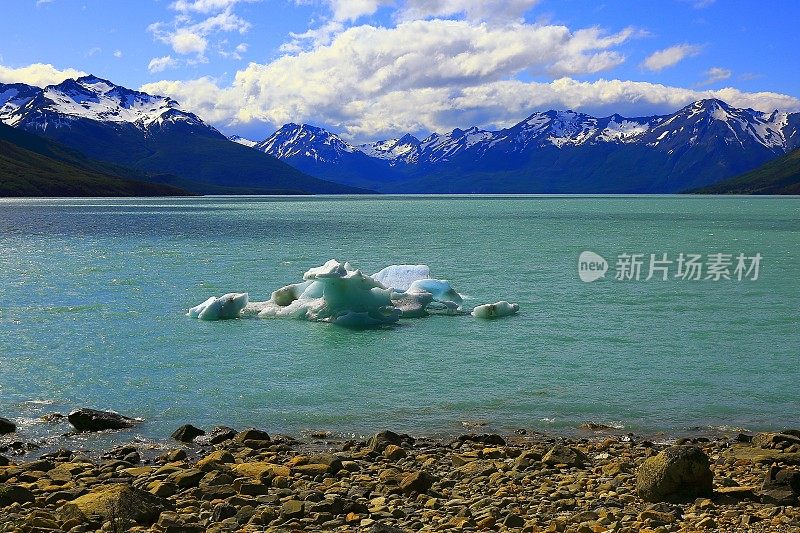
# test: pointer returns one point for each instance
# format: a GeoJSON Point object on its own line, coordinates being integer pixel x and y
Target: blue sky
{"type": "Point", "coordinates": [377, 68]}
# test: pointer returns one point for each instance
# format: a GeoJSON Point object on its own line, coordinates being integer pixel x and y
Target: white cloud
{"type": "Point", "coordinates": [42, 2]}
{"type": "Point", "coordinates": [159, 64]}
{"type": "Point", "coordinates": [670, 57]}
{"type": "Point", "coordinates": [715, 74]}
{"type": "Point", "coordinates": [94, 51]}
{"type": "Point", "coordinates": [184, 41]}
{"type": "Point", "coordinates": [189, 37]}
{"type": "Point", "coordinates": [38, 74]}
{"type": "Point", "coordinates": [499, 103]}
{"type": "Point", "coordinates": [204, 6]}
{"type": "Point", "coordinates": [354, 9]}
{"type": "Point", "coordinates": [118, 53]}
{"type": "Point", "coordinates": [491, 10]}
{"type": "Point", "coordinates": [433, 75]}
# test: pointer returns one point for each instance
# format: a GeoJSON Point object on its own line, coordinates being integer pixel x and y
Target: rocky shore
{"type": "Point", "coordinates": [227, 480]}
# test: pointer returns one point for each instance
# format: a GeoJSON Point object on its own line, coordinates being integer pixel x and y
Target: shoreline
{"type": "Point", "coordinates": [228, 480]}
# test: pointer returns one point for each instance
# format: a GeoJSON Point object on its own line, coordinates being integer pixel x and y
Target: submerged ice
{"type": "Point", "coordinates": [342, 294]}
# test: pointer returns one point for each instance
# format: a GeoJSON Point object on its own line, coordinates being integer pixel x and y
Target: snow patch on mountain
{"type": "Point", "coordinates": [242, 141]}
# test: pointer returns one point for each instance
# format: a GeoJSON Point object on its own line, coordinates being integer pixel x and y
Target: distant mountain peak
{"type": "Point", "coordinates": [92, 98]}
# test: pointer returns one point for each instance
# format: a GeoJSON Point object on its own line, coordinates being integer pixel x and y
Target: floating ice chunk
{"type": "Point", "coordinates": [222, 308]}
{"type": "Point", "coordinates": [400, 277]}
{"type": "Point", "coordinates": [495, 310]}
{"type": "Point", "coordinates": [334, 292]}
{"type": "Point", "coordinates": [412, 305]}
{"type": "Point", "coordinates": [440, 290]}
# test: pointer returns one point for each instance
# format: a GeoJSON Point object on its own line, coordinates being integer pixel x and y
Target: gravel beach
{"type": "Point", "coordinates": [227, 480]}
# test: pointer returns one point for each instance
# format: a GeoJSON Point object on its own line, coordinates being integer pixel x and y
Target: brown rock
{"type": "Point", "coordinates": [677, 474]}
{"type": "Point", "coordinates": [419, 481]}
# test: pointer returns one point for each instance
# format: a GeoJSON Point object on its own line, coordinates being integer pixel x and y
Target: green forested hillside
{"type": "Point", "coordinates": [780, 176]}
{"type": "Point", "coordinates": [34, 166]}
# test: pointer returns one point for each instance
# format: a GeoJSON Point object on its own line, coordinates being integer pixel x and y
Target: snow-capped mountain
{"type": "Point", "coordinates": [700, 143]}
{"type": "Point", "coordinates": [405, 149]}
{"type": "Point", "coordinates": [305, 141]}
{"type": "Point", "coordinates": [89, 98]}
{"type": "Point", "coordinates": [151, 134]}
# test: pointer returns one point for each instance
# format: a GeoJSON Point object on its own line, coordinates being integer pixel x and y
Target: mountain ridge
{"type": "Point", "coordinates": [701, 143]}
{"type": "Point", "coordinates": [152, 135]}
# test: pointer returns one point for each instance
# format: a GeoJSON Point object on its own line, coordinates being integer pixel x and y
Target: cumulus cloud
{"type": "Point", "coordinates": [669, 57]}
{"type": "Point", "coordinates": [38, 74]}
{"type": "Point", "coordinates": [420, 110]}
{"type": "Point", "coordinates": [118, 53]}
{"type": "Point", "coordinates": [715, 74]}
{"type": "Point", "coordinates": [185, 41]}
{"type": "Point", "coordinates": [434, 75]}
{"type": "Point", "coordinates": [188, 36]}
{"type": "Point", "coordinates": [160, 64]}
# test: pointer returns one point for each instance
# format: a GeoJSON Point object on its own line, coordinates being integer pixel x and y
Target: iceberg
{"type": "Point", "coordinates": [341, 294]}
{"type": "Point", "coordinates": [334, 292]}
{"type": "Point", "coordinates": [400, 277]}
{"type": "Point", "coordinates": [495, 310]}
{"type": "Point", "coordinates": [440, 289]}
{"type": "Point", "coordinates": [225, 307]}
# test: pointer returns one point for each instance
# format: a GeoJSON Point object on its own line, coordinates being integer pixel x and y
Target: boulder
{"type": "Point", "coordinates": [217, 435]}
{"type": "Point", "coordinates": [14, 494]}
{"type": "Point", "coordinates": [380, 441]}
{"type": "Point", "coordinates": [187, 433]}
{"type": "Point", "coordinates": [564, 455]}
{"type": "Point", "coordinates": [7, 426]}
{"type": "Point", "coordinates": [490, 439]}
{"type": "Point", "coordinates": [261, 471]}
{"type": "Point", "coordinates": [775, 440]}
{"type": "Point", "coordinates": [117, 502]}
{"type": "Point", "coordinates": [780, 487]}
{"type": "Point", "coordinates": [215, 460]}
{"type": "Point", "coordinates": [419, 482]}
{"type": "Point", "coordinates": [292, 509]}
{"type": "Point", "coordinates": [677, 474]}
{"type": "Point", "coordinates": [251, 434]}
{"type": "Point", "coordinates": [93, 420]}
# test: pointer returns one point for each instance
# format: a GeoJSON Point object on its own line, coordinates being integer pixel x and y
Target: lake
{"type": "Point", "coordinates": [93, 296]}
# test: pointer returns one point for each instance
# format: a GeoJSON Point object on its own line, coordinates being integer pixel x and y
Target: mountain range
{"type": "Point", "coordinates": [552, 152]}
{"type": "Point", "coordinates": [141, 137]}
{"type": "Point", "coordinates": [151, 135]}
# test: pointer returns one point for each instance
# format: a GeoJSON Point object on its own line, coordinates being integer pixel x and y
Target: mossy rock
{"type": "Point", "coordinates": [677, 474]}
{"type": "Point", "coordinates": [117, 503]}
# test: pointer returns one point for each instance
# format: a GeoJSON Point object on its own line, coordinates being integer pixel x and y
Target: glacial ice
{"type": "Point", "coordinates": [440, 289]}
{"type": "Point", "coordinates": [225, 307]}
{"type": "Point", "coordinates": [400, 277]}
{"type": "Point", "coordinates": [341, 294]}
{"type": "Point", "coordinates": [495, 310]}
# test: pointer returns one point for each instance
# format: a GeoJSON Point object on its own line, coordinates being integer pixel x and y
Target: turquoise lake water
{"type": "Point", "coordinates": [93, 295]}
